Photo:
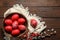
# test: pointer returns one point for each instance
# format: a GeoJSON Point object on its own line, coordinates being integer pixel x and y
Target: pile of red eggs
{"type": "Point", "coordinates": [15, 24]}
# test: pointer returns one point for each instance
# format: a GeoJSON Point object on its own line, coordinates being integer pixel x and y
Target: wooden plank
{"type": "Point", "coordinates": [54, 37]}
{"type": "Point", "coordinates": [50, 22]}
{"type": "Point", "coordinates": [1, 34]}
{"type": "Point", "coordinates": [30, 2]}
{"type": "Point", "coordinates": [40, 11]}
{"type": "Point", "coordinates": [46, 11]}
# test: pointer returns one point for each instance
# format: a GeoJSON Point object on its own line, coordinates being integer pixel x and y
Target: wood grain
{"type": "Point", "coordinates": [53, 37]}
{"type": "Point", "coordinates": [1, 34]}
{"type": "Point", "coordinates": [40, 11]}
{"type": "Point", "coordinates": [49, 10]}
{"type": "Point", "coordinates": [30, 2]}
{"type": "Point", "coordinates": [50, 22]}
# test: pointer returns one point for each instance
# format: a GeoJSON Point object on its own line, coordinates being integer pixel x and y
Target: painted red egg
{"type": "Point", "coordinates": [15, 24]}
{"type": "Point", "coordinates": [22, 27]}
{"type": "Point", "coordinates": [21, 20]}
{"type": "Point", "coordinates": [15, 17]}
{"type": "Point", "coordinates": [15, 32]}
{"type": "Point", "coordinates": [33, 23]}
{"type": "Point", "coordinates": [8, 21]}
{"type": "Point", "coordinates": [8, 28]}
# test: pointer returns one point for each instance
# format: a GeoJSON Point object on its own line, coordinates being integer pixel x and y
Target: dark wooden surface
{"type": "Point", "coordinates": [49, 10]}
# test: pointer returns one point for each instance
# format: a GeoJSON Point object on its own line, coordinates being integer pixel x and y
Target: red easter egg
{"type": "Point", "coordinates": [33, 23]}
{"type": "Point", "coordinates": [8, 28]}
{"type": "Point", "coordinates": [15, 17]}
{"type": "Point", "coordinates": [15, 32]}
{"type": "Point", "coordinates": [22, 27]}
{"type": "Point", "coordinates": [15, 24]}
{"type": "Point", "coordinates": [8, 21]}
{"type": "Point", "coordinates": [21, 20]}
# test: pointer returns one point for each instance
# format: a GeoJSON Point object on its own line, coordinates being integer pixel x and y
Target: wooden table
{"type": "Point", "coordinates": [49, 10]}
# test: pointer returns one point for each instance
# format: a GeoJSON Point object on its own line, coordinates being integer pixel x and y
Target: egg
{"type": "Point", "coordinates": [15, 17]}
{"type": "Point", "coordinates": [22, 27]}
{"type": "Point", "coordinates": [15, 32]}
{"type": "Point", "coordinates": [15, 25]}
{"type": "Point", "coordinates": [21, 20]}
{"type": "Point", "coordinates": [8, 21]}
{"type": "Point", "coordinates": [33, 23]}
{"type": "Point", "coordinates": [8, 28]}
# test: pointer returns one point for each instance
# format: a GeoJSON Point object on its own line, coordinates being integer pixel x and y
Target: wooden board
{"type": "Point", "coordinates": [40, 11]}
{"type": "Point", "coordinates": [50, 22]}
{"type": "Point", "coordinates": [30, 2]}
{"type": "Point", "coordinates": [53, 37]}
{"type": "Point", "coordinates": [49, 10]}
